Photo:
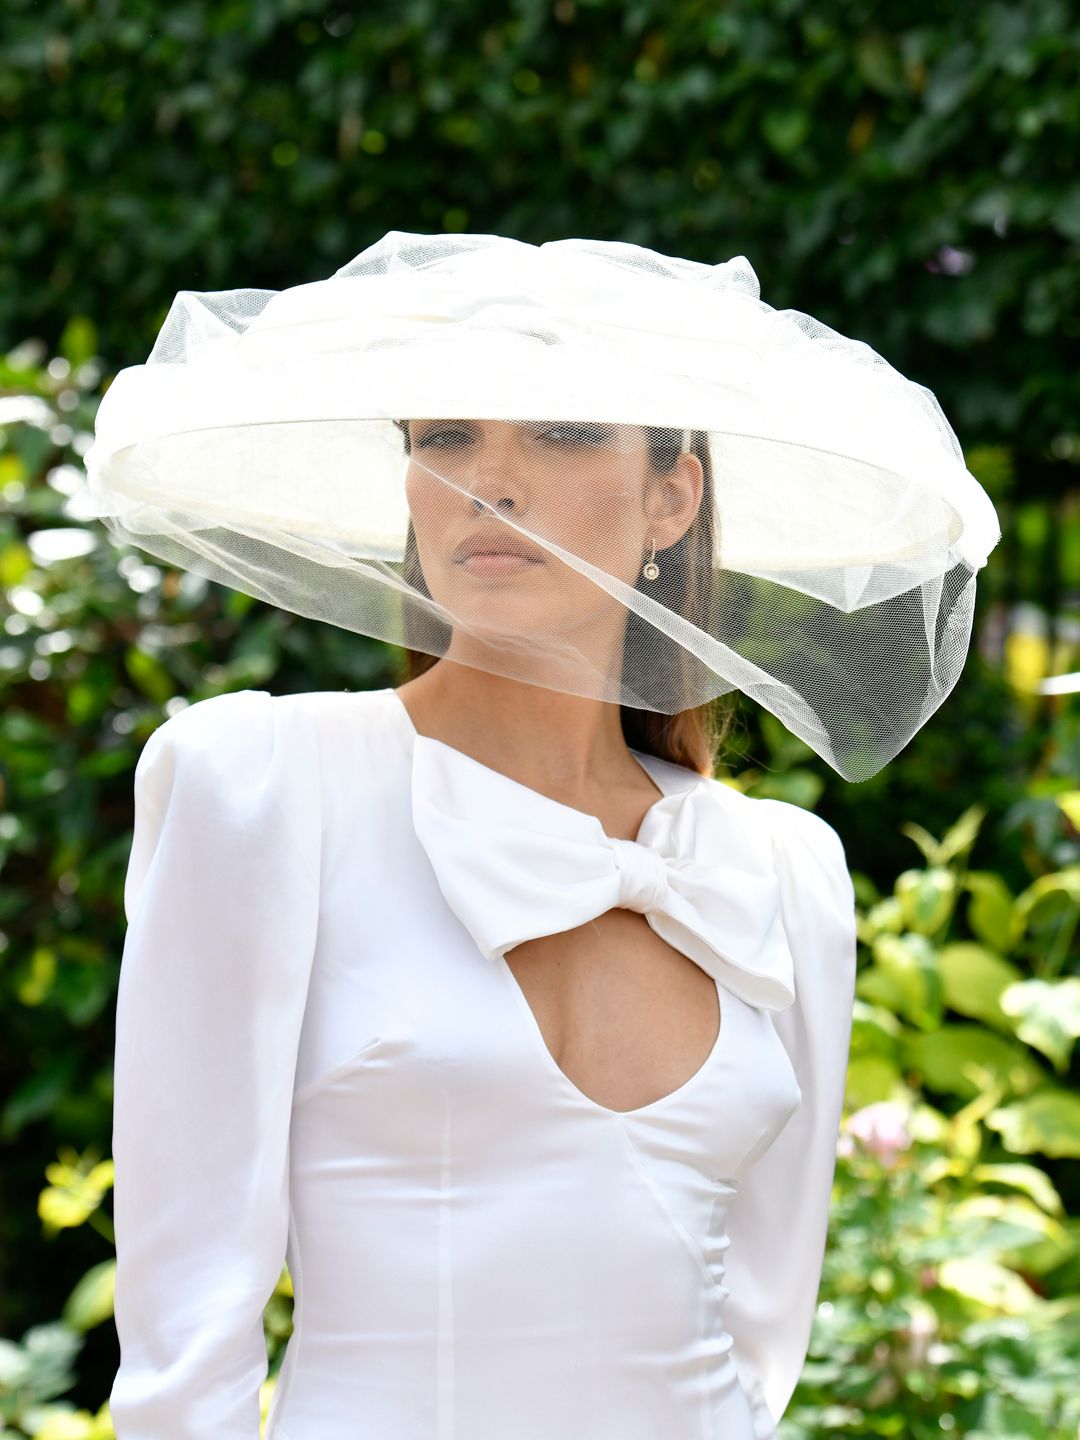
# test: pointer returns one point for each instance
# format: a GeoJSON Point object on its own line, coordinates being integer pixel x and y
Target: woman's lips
{"type": "Point", "coordinates": [496, 564]}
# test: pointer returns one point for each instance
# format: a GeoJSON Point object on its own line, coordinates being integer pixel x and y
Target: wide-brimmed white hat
{"type": "Point", "coordinates": [712, 494]}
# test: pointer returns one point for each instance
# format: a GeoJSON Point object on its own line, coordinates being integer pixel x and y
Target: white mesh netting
{"type": "Point", "coordinates": [331, 448]}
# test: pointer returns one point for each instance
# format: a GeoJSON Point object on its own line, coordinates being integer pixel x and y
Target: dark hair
{"type": "Point", "coordinates": [690, 737]}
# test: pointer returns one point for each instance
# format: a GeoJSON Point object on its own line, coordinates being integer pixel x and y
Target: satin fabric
{"type": "Point", "coordinates": [514, 864]}
{"type": "Point", "coordinates": [323, 1059]}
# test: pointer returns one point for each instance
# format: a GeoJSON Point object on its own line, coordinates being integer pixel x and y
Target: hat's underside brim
{"type": "Point", "coordinates": [779, 509]}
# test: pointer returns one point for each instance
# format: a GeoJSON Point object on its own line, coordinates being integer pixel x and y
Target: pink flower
{"type": "Point", "coordinates": [881, 1129]}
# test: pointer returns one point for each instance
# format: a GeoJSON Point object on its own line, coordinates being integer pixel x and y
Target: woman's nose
{"type": "Point", "coordinates": [496, 482]}
{"type": "Point", "coordinates": [485, 497]}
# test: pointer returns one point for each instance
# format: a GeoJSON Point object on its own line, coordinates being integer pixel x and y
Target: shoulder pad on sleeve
{"type": "Point", "coordinates": [802, 839]}
{"type": "Point", "coordinates": [814, 830]}
{"type": "Point", "coordinates": [211, 720]}
{"type": "Point", "coordinates": [222, 741]}
{"type": "Point", "coordinates": [207, 770]}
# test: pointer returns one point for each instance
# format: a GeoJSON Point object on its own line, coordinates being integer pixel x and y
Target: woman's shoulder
{"type": "Point", "coordinates": [234, 776]}
{"type": "Point", "coordinates": [236, 752]}
{"type": "Point", "coordinates": [806, 825]}
{"type": "Point", "coordinates": [214, 731]}
{"type": "Point", "coordinates": [225, 745]}
{"type": "Point", "coordinates": [215, 716]}
{"type": "Point", "coordinates": [812, 863]}
{"type": "Point", "coordinates": [793, 829]}
{"type": "Point", "coordinates": [241, 718]}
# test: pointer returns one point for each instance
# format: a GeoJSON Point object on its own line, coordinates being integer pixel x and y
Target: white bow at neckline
{"type": "Point", "coordinates": [514, 864]}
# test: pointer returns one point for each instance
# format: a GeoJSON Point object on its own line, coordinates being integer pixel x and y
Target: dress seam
{"type": "Point", "coordinates": [673, 1220]}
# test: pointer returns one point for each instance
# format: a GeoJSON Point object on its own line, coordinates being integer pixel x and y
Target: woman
{"type": "Point", "coordinates": [478, 1000]}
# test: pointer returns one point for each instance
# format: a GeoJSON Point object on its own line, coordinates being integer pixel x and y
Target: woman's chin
{"type": "Point", "coordinates": [494, 612]}
{"type": "Point", "coordinates": [467, 586]}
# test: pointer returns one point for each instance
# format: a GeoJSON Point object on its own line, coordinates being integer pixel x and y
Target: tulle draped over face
{"type": "Point", "coordinates": [333, 449]}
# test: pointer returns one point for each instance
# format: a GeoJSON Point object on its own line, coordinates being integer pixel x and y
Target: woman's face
{"type": "Point", "coordinates": [584, 486]}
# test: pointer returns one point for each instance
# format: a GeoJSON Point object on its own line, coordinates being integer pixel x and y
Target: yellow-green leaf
{"type": "Point", "coordinates": [974, 978]}
{"type": "Point", "coordinates": [78, 340]}
{"type": "Point", "coordinates": [910, 965]}
{"type": "Point", "coordinates": [961, 835]}
{"type": "Point", "coordinates": [91, 1301]}
{"type": "Point", "coordinates": [1046, 1123]}
{"type": "Point", "coordinates": [1004, 1222]}
{"type": "Point", "coordinates": [992, 1286]}
{"type": "Point", "coordinates": [15, 562]}
{"type": "Point", "coordinates": [951, 1057]}
{"type": "Point", "coordinates": [871, 1078]}
{"type": "Point", "coordinates": [990, 909]}
{"type": "Point", "coordinates": [926, 898]}
{"type": "Point", "coordinates": [1046, 1015]}
{"type": "Point", "coordinates": [1029, 1178]}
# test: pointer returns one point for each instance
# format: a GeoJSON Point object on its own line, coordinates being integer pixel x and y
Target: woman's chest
{"type": "Point", "coordinates": [410, 1028]}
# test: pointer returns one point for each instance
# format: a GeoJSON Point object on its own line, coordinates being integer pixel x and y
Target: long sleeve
{"type": "Point", "coordinates": [778, 1220]}
{"type": "Point", "coordinates": [221, 900]}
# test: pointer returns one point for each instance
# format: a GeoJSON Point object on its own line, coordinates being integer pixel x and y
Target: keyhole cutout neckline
{"type": "Point", "coordinates": [726, 1001]}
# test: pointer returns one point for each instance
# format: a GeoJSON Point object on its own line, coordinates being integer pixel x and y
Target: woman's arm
{"type": "Point", "coordinates": [221, 898]}
{"type": "Point", "coordinates": [779, 1218]}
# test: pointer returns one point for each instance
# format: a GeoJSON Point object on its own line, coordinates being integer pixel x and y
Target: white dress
{"type": "Point", "coordinates": [322, 1058]}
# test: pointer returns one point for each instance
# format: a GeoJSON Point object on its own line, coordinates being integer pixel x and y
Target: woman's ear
{"type": "Point", "coordinates": [680, 490]}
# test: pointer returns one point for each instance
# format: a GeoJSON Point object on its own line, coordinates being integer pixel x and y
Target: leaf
{"type": "Point", "coordinates": [1046, 1123]}
{"type": "Point", "coordinates": [149, 675]}
{"type": "Point", "coordinates": [874, 1030]}
{"type": "Point", "coordinates": [78, 340]}
{"type": "Point", "coordinates": [35, 986]}
{"type": "Point", "coordinates": [37, 1095]}
{"type": "Point", "coordinates": [786, 128]}
{"type": "Point", "coordinates": [952, 79]}
{"type": "Point", "coordinates": [974, 978]}
{"type": "Point", "coordinates": [909, 963]}
{"type": "Point", "coordinates": [923, 839]}
{"type": "Point", "coordinates": [992, 1286]}
{"type": "Point", "coordinates": [1051, 905]}
{"type": "Point", "coordinates": [1029, 1178]}
{"type": "Point", "coordinates": [926, 898]}
{"type": "Point", "coordinates": [870, 1079]}
{"type": "Point", "coordinates": [877, 64]}
{"type": "Point", "coordinates": [961, 835]}
{"type": "Point", "coordinates": [1046, 1015]}
{"type": "Point", "coordinates": [799, 786]}
{"type": "Point", "coordinates": [886, 914]}
{"type": "Point", "coordinates": [953, 1059]}
{"type": "Point", "coordinates": [77, 1186]}
{"type": "Point", "coordinates": [15, 564]}
{"type": "Point", "coordinates": [785, 749]}
{"type": "Point", "coordinates": [91, 1301]}
{"type": "Point", "coordinates": [990, 909]}
{"type": "Point", "coordinates": [1004, 1222]}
